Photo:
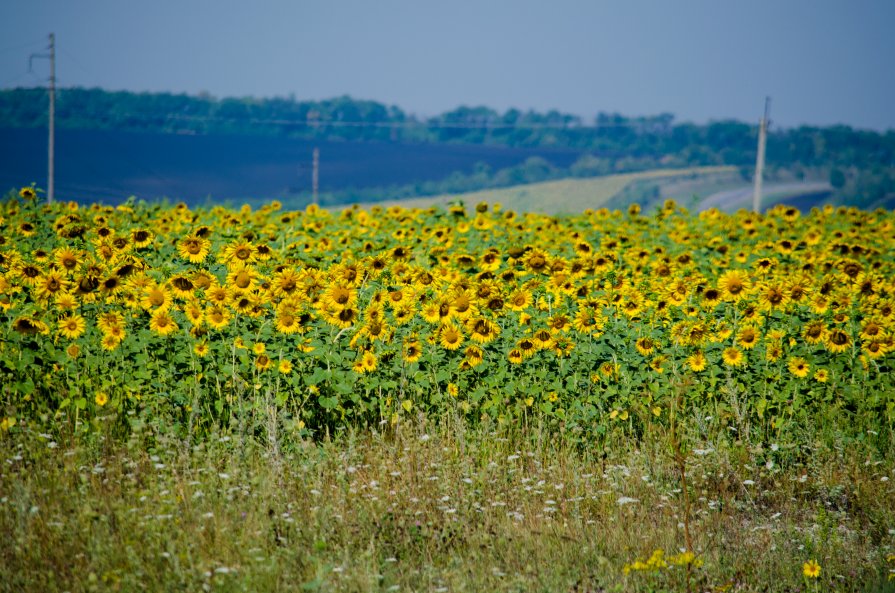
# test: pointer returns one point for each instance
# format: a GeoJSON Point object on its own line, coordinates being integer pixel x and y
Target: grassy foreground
{"type": "Point", "coordinates": [449, 508]}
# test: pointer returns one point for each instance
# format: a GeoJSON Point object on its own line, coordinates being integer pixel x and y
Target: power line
{"type": "Point", "coordinates": [20, 46]}
{"type": "Point", "coordinates": [486, 126]}
{"type": "Point", "coordinates": [12, 81]}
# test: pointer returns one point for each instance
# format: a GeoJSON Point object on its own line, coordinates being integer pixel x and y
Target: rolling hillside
{"type": "Point", "coordinates": [697, 187]}
{"type": "Point", "coordinates": [575, 195]}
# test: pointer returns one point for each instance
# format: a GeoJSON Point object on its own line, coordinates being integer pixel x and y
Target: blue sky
{"type": "Point", "coordinates": [822, 61]}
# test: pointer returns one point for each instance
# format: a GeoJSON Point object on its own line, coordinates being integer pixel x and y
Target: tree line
{"type": "Point", "coordinates": [860, 164]}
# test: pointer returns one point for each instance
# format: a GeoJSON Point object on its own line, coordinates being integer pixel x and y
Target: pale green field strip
{"type": "Point", "coordinates": [562, 195]}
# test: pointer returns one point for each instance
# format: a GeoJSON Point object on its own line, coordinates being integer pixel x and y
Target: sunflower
{"type": "Point", "coordinates": [820, 304]}
{"type": "Point", "coordinates": [109, 319]}
{"type": "Point", "coordinates": [73, 350]}
{"type": "Point", "coordinates": [375, 329]}
{"type": "Point", "coordinates": [142, 238]}
{"type": "Point", "coordinates": [26, 229]}
{"type": "Point", "coordinates": [110, 285]}
{"type": "Point", "coordinates": [821, 375]}
{"type": "Point", "coordinates": [558, 323]}
{"type": "Point", "coordinates": [217, 317]}
{"type": "Point", "coordinates": [288, 321]}
{"type": "Point", "coordinates": [765, 265]}
{"type": "Point", "coordinates": [66, 301]}
{"type": "Point", "coordinates": [110, 343]}
{"type": "Point", "coordinates": [515, 356]}
{"type": "Point", "coordinates": [462, 307]}
{"type": "Point", "coordinates": [162, 323]}
{"type": "Point", "coordinates": [201, 349]}
{"type": "Point", "coordinates": [72, 327]}
{"type": "Point", "coordinates": [773, 351]}
{"type": "Point", "coordinates": [542, 339]}
{"type": "Point", "coordinates": [366, 363]}
{"type": "Point", "coordinates": [798, 366]}
{"type": "Point", "coordinates": [875, 349]}
{"type": "Point", "coordinates": [645, 346]}
{"type": "Point", "coordinates": [343, 318]}
{"type": "Point", "coordinates": [885, 309]}
{"type": "Point", "coordinates": [537, 261]}
{"type": "Point", "coordinates": [68, 259]}
{"type": "Point", "coordinates": [450, 336]}
{"type": "Point", "coordinates": [217, 294]}
{"type": "Point", "coordinates": [181, 286]}
{"type": "Point", "coordinates": [587, 320]}
{"type": "Point", "coordinates": [747, 338]}
{"type": "Point", "coordinates": [49, 285]}
{"type": "Point", "coordinates": [837, 341]}
{"type": "Point", "coordinates": [697, 361]}
{"type": "Point", "coordinates": [527, 347]}
{"type": "Point", "coordinates": [263, 252]}
{"type": "Point", "coordinates": [632, 306]}
{"type": "Point", "coordinates": [395, 298]}
{"type": "Point", "coordinates": [285, 282]}
{"type": "Point", "coordinates": [412, 350]}
{"type": "Point", "coordinates": [815, 332]}
{"type": "Point", "coordinates": [811, 569]}
{"type": "Point", "coordinates": [29, 326]}
{"type": "Point", "coordinates": [482, 330]}
{"type": "Point", "coordinates": [242, 277]}
{"type": "Point", "coordinates": [711, 297]}
{"type": "Point", "coordinates": [437, 311]}
{"type": "Point", "coordinates": [474, 356]}
{"type": "Point", "coordinates": [734, 285]}
{"type": "Point", "coordinates": [243, 302]}
{"type": "Point", "coordinates": [404, 314]}
{"type": "Point", "coordinates": [238, 252]}
{"type": "Point", "coordinates": [871, 330]}
{"type": "Point", "coordinates": [338, 297]}
{"type": "Point", "coordinates": [194, 249]}
{"type": "Point", "coordinates": [194, 313]}
{"type": "Point", "coordinates": [733, 356]}
{"type": "Point", "coordinates": [772, 296]}
{"type": "Point", "coordinates": [28, 193]}
{"type": "Point", "coordinates": [262, 362]}
{"type": "Point", "coordinates": [799, 288]}
{"type": "Point", "coordinates": [157, 297]}
{"type": "Point", "coordinates": [348, 273]}
{"type": "Point", "coordinates": [609, 370]}
{"type": "Point", "coordinates": [376, 264]}
{"type": "Point", "coordinates": [30, 274]}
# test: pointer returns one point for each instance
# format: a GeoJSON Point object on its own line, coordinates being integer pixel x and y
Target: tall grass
{"type": "Point", "coordinates": [447, 507]}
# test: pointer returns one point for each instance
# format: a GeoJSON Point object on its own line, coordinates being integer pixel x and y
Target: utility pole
{"type": "Point", "coordinates": [315, 175]}
{"type": "Point", "coordinates": [759, 159]}
{"type": "Point", "coordinates": [51, 144]}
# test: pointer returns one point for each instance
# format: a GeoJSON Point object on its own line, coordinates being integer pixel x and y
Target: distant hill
{"type": "Point", "coordinates": [859, 164]}
{"type": "Point", "coordinates": [697, 188]}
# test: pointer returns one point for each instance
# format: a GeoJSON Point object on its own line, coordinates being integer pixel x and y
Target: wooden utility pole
{"type": "Point", "coordinates": [759, 159]}
{"type": "Point", "coordinates": [51, 144]}
{"type": "Point", "coordinates": [315, 174]}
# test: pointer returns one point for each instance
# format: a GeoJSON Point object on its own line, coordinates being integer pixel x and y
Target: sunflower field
{"type": "Point", "coordinates": [204, 317]}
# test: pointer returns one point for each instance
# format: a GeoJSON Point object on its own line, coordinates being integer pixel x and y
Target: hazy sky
{"type": "Point", "coordinates": [821, 61]}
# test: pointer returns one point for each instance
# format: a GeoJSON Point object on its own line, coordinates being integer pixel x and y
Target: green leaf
{"type": "Point", "coordinates": [328, 403]}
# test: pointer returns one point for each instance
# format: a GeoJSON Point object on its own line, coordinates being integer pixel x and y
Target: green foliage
{"type": "Point", "coordinates": [610, 143]}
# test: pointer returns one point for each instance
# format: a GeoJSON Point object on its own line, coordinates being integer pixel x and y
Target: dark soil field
{"type": "Point", "coordinates": [110, 166]}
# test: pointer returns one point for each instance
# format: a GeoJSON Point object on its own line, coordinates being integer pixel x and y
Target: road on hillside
{"type": "Point", "coordinates": [734, 199]}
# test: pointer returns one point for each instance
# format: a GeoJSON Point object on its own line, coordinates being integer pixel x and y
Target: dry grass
{"type": "Point", "coordinates": [420, 508]}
